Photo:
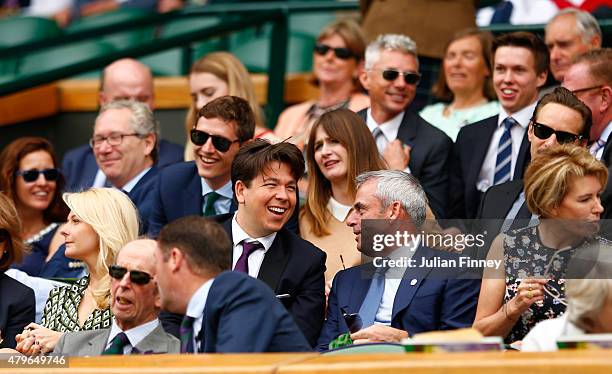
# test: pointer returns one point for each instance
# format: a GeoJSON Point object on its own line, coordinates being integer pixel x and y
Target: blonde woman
{"type": "Point", "coordinates": [100, 222]}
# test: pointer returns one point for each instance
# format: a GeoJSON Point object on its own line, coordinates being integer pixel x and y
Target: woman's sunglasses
{"type": "Point", "coordinates": [221, 144]}
{"type": "Point", "coordinates": [136, 276]}
{"type": "Point", "coordinates": [32, 174]}
{"type": "Point", "coordinates": [341, 53]}
{"type": "Point", "coordinates": [410, 77]}
{"type": "Point", "coordinates": [544, 132]}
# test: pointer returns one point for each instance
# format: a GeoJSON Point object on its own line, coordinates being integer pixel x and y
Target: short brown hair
{"type": "Point", "coordinates": [253, 158]}
{"type": "Point", "coordinates": [11, 156]}
{"type": "Point", "coordinates": [565, 97]}
{"type": "Point", "coordinates": [441, 90]}
{"type": "Point", "coordinates": [203, 241]}
{"type": "Point", "coordinates": [598, 61]}
{"type": "Point", "coordinates": [549, 176]}
{"type": "Point", "coordinates": [527, 40]}
{"type": "Point", "coordinates": [10, 229]}
{"type": "Point", "coordinates": [231, 109]}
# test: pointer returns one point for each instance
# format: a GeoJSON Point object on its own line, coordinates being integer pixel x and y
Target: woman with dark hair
{"type": "Point", "coordinates": [16, 300]}
{"type": "Point", "coordinates": [464, 84]}
{"type": "Point", "coordinates": [29, 175]}
{"type": "Point", "coordinates": [338, 58]}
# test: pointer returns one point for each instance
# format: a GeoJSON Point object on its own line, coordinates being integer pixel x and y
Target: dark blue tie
{"type": "Point", "coordinates": [186, 332]}
{"type": "Point", "coordinates": [503, 163]}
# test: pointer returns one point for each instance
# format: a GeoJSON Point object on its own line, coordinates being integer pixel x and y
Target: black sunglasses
{"type": "Point", "coordinates": [544, 132]}
{"type": "Point", "coordinates": [410, 77]}
{"type": "Point", "coordinates": [200, 137]}
{"type": "Point", "coordinates": [32, 174]}
{"type": "Point", "coordinates": [136, 276]}
{"type": "Point", "coordinates": [341, 53]}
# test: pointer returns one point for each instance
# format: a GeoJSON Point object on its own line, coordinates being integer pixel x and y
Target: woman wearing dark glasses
{"type": "Point", "coordinates": [29, 174]}
{"type": "Point", "coordinates": [100, 222]}
{"type": "Point", "coordinates": [16, 300]}
{"type": "Point", "coordinates": [562, 188]}
{"type": "Point", "coordinates": [464, 84]}
{"type": "Point", "coordinates": [338, 58]}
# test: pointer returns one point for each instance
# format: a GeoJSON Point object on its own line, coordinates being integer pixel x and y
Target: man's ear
{"type": "Point", "coordinates": [606, 98]}
{"type": "Point", "coordinates": [396, 211]}
{"type": "Point", "coordinates": [541, 78]}
{"type": "Point", "coordinates": [239, 189]}
{"type": "Point", "coordinates": [177, 259]}
{"type": "Point", "coordinates": [150, 140]}
{"type": "Point", "coordinates": [364, 78]}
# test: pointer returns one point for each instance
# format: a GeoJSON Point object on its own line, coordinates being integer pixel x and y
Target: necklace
{"type": "Point", "coordinates": [36, 237]}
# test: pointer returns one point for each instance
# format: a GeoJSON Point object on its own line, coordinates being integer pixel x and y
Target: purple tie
{"type": "Point", "coordinates": [247, 248]}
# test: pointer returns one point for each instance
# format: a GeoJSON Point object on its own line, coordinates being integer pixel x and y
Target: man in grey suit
{"type": "Point", "coordinates": [135, 303]}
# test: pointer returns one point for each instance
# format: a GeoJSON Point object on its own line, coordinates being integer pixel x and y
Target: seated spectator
{"type": "Point", "coordinates": [464, 84]}
{"type": "Point", "coordinates": [242, 313]}
{"type": "Point", "coordinates": [17, 305]}
{"type": "Point", "coordinates": [562, 187]}
{"type": "Point", "coordinates": [100, 222]}
{"type": "Point", "coordinates": [135, 304]}
{"type": "Point", "coordinates": [589, 311]}
{"type": "Point", "coordinates": [29, 174]}
{"type": "Point", "coordinates": [219, 74]}
{"type": "Point", "coordinates": [338, 59]}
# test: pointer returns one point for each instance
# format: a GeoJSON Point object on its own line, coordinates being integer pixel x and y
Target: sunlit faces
{"type": "Point", "coordinates": [206, 87]}
{"type": "Point", "coordinates": [266, 204]}
{"type": "Point", "coordinates": [388, 98]}
{"type": "Point", "coordinates": [213, 165]}
{"type": "Point", "coordinates": [581, 208]}
{"type": "Point", "coordinates": [515, 79]}
{"type": "Point", "coordinates": [330, 69]}
{"type": "Point", "coordinates": [464, 66]}
{"type": "Point", "coordinates": [558, 117]}
{"type": "Point", "coordinates": [576, 79]}
{"type": "Point", "coordinates": [331, 156]}
{"type": "Point", "coordinates": [38, 194]}
{"type": "Point", "coordinates": [130, 82]}
{"type": "Point", "coordinates": [82, 242]}
{"type": "Point", "coordinates": [121, 163]}
{"type": "Point", "coordinates": [366, 206]}
{"type": "Point", "coordinates": [163, 277]}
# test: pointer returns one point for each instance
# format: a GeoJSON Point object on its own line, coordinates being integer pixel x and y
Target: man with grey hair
{"type": "Point", "coordinates": [570, 33]}
{"type": "Point", "coordinates": [385, 302]}
{"type": "Point", "coordinates": [405, 140]}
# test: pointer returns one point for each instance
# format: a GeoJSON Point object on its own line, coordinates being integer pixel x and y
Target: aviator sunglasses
{"type": "Point", "coordinates": [31, 175]}
{"type": "Point", "coordinates": [200, 138]}
{"type": "Point", "coordinates": [341, 53]}
{"type": "Point", "coordinates": [544, 132]}
{"type": "Point", "coordinates": [136, 276]}
{"type": "Point", "coordinates": [410, 77]}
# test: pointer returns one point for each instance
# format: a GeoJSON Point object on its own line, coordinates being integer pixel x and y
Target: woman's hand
{"type": "Point", "coordinates": [36, 339]}
{"type": "Point", "coordinates": [529, 291]}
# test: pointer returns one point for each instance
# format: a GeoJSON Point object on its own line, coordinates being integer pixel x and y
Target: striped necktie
{"type": "Point", "coordinates": [186, 333]}
{"type": "Point", "coordinates": [503, 163]}
{"type": "Point", "coordinates": [117, 345]}
{"type": "Point", "coordinates": [595, 147]}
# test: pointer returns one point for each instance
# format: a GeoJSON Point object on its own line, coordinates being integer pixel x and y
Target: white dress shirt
{"type": "Point", "coordinates": [135, 335]}
{"type": "Point", "coordinates": [224, 201]}
{"type": "Point", "coordinates": [389, 129]}
{"type": "Point", "coordinates": [195, 309]}
{"type": "Point", "coordinates": [100, 180]}
{"type": "Point", "coordinates": [257, 257]}
{"type": "Point", "coordinates": [487, 172]}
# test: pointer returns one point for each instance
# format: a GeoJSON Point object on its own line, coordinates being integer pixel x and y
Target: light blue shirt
{"type": "Point", "coordinates": [195, 309]}
{"type": "Point", "coordinates": [224, 202]}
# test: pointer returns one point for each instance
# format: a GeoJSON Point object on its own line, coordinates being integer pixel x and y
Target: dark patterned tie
{"type": "Point", "coordinates": [242, 264]}
{"type": "Point", "coordinates": [209, 207]}
{"type": "Point", "coordinates": [186, 332]}
{"type": "Point", "coordinates": [117, 345]}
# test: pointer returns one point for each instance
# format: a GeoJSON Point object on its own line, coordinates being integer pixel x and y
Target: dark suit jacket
{"type": "Point", "coordinates": [429, 157]}
{"type": "Point", "coordinates": [243, 315]}
{"type": "Point", "coordinates": [468, 155]}
{"type": "Point", "coordinates": [17, 309]}
{"type": "Point", "coordinates": [294, 266]}
{"type": "Point", "coordinates": [79, 164]}
{"type": "Point", "coordinates": [606, 196]}
{"type": "Point", "coordinates": [430, 304]}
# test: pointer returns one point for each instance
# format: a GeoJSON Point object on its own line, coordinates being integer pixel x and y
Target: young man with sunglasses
{"type": "Point", "coordinates": [496, 149]}
{"type": "Point", "coordinates": [135, 303]}
{"type": "Point", "coordinates": [405, 140]}
{"type": "Point", "coordinates": [559, 118]}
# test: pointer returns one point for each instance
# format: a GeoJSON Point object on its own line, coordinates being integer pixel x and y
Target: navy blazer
{"type": "Point", "coordinates": [422, 303]}
{"type": "Point", "coordinates": [79, 164]}
{"type": "Point", "coordinates": [469, 154]}
{"type": "Point", "coordinates": [17, 309]}
{"type": "Point", "coordinates": [243, 315]}
{"type": "Point", "coordinates": [429, 157]}
{"type": "Point", "coordinates": [294, 266]}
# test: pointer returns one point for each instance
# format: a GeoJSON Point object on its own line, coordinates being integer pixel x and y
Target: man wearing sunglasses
{"type": "Point", "coordinates": [559, 118]}
{"type": "Point", "coordinates": [135, 303]}
{"type": "Point", "coordinates": [405, 140]}
{"type": "Point", "coordinates": [496, 149]}
{"type": "Point", "coordinates": [124, 79]}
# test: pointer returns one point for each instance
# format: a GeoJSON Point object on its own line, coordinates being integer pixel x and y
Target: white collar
{"type": "Point", "coordinates": [606, 133]}
{"type": "Point", "coordinates": [136, 334]}
{"type": "Point", "coordinates": [129, 186]}
{"type": "Point", "coordinates": [522, 116]}
{"type": "Point", "coordinates": [389, 128]}
{"type": "Point", "coordinates": [225, 190]}
{"type": "Point", "coordinates": [196, 305]}
{"type": "Point", "coordinates": [339, 211]}
{"type": "Point", "coordinates": [238, 235]}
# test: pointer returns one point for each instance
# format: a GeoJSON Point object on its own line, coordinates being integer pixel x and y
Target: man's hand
{"type": "Point", "coordinates": [397, 155]}
{"type": "Point", "coordinates": [377, 334]}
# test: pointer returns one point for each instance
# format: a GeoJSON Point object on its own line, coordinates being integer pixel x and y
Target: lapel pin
{"type": "Point", "coordinates": [413, 282]}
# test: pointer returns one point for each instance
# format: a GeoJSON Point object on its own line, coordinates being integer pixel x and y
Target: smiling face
{"type": "Point", "coordinates": [464, 66]}
{"type": "Point", "coordinates": [267, 203]}
{"type": "Point", "coordinates": [35, 195]}
{"type": "Point", "coordinates": [206, 87]}
{"type": "Point", "coordinates": [388, 98]}
{"type": "Point", "coordinates": [331, 157]}
{"type": "Point", "coordinates": [515, 79]}
{"type": "Point", "coordinates": [82, 241]}
{"type": "Point", "coordinates": [330, 69]}
{"type": "Point", "coordinates": [559, 118]}
{"type": "Point", "coordinates": [134, 304]}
